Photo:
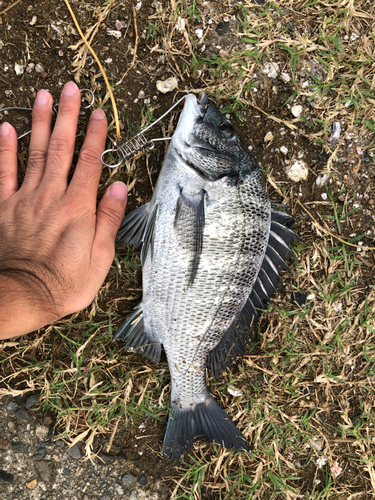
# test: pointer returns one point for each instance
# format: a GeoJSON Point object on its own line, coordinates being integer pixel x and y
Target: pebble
{"type": "Point", "coordinates": [39, 68]}
{"type": "Point", "coordinates": [45, 470]}
{"type": "Point", "coordinates": [105, 459]}
{"type": "Point", "coordinates": [75, 452]}
{"type": "Point", "coordinates": [18, 447]}
{"type": "Point", "coordinates": [128, 479]}
{"type": "Point", "coordinates": [41, 432]}
{"type": "Point", "coordinates": [22, 414]}
{"type": "Point", "coordinates": [284, 150]}
{"type": "Point", "coordinates": [106, 497]}
{"type": "Point", "coordinates": [297, 110]}
{"type": "Point", "coordinates": [142, 480]}
{"type": "Point", "coordinates": [32, 400]}
{"type": "Point", "coordinates": [298, 171]}
{"type": "Point", "coordinates": [167, 85]}
{"type": "Point", "coordinates": [119, 490]}
{"type": "Point", "coordinates": [268, 137]}
{"type": "Point", "coordinates": [12, 406]}
{"type": "Point", "coordinates": [285, 77]}
{"type": "Point", "coordinates": [5, 477]}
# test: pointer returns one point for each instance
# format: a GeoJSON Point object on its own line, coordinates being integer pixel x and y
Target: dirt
{"type": "Point", "coordinates": [48, 41]}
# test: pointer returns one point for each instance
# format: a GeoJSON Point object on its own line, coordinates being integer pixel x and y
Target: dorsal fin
{"type": "Point", "coordinates": [239, 333]}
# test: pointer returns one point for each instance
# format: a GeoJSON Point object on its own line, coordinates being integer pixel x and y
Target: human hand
{"type": "Point", "coordinates": [56, 246]}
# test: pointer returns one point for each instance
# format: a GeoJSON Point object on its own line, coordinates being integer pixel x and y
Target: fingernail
{"type": "Point", "coordinates": [70, 89]}
{"type": "Point", "coordinates": [118, 190]}
{"type": "Point", "coordinates": [98, 114]}
{"type": "Point", "coordinates": [5, 129]}
{"type": "Point", "coordinates": [42, 98]}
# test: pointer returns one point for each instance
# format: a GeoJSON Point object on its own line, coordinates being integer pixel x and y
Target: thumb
{"type": "Point", "coordinates": [109, 215]}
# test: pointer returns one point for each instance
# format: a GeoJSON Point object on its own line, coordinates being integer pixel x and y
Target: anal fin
{"type": "Point", "coordinates": [135, 337]}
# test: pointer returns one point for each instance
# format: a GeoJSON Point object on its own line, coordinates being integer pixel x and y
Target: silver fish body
{"type": "Point", "coordinates": [205, 235]}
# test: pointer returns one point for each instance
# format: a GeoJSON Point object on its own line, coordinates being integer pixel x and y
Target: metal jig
{"type": "Point", "coordinates": [137, 143]}
{"type": "Point", "coordinates": [54, 108]}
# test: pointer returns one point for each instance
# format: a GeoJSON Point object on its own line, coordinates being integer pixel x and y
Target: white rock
{"type": "Point", "coordinates": [138, 5]}
{"type": "Point", "coordinates": [19, 69]}
{"type": "Point", "coordinates": [33, 21]}
{"type": "Point", "coordinates": [115, 33]}
{"type": "Point", "coordinates": [268, 137]}
{"type": "Point", "coordinates": [202, 49]}
{"type": "Point", "coordinates": [285, 77]}
{"type": "Point", "coordinates": [199, 32]}
{"type": "Point", "coordinates": [180, 24]}
{"type": "Point", "coordinates": [233, 391]}
{"type": "Point", "coordinates": [284, 150]}
{"type": "Point", "coordinates": [167, 85]}
{"type": "Point", "coordinates": [141, 94]}
{"type": "Point", "coordinates": [30, 67]}
{"type": "Point", "coordinates": [321, 462]}
{"type": "Point", "coordinates": [298, 171]}
{"type": "Point", "coordinates": [311, 296]}
{"type": "Point", "coordinates": [353, 37]}
{"type": "Point", "coordinates": [297, 110]}
{"type": "Point", "coordinates": [271, 69]}
{"type": "Point", "coordinates": [39, 68]}
{"type": "Point", "coordinates": [324, 196]}
{"type": "Point", "coordinates": [108, 61]}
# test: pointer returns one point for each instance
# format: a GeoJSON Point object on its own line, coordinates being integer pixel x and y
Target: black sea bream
{"type": "Point", "coordinates": [212, 250]}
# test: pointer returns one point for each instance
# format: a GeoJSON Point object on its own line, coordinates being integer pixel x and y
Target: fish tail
{"type": "Point", "coordinates": [206, 421]}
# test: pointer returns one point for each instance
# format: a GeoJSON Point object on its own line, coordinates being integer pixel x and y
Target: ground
{"type": "Point", "coordinates": [287, 73]}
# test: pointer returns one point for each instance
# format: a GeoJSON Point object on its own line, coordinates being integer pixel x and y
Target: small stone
{"type": "Point", "coordinates": [297, 110]}
{"type": "Point", "coordinates": [18, 447]}
{"type": "Point", "coordinates": [233, 391]}
{"type": "Point", "coordinates": [128, 479]}
{"type": "Point", "coordinates": [19, 69]}
{"type": "Point", "coordinates": [6, 477]}
{"type": "Point", "coordinates": [31, 484]}
{"type": "Point", "coordinates": [284, 150]}
{"type": "Point", "coordinates": [268, 137]}
{"type": "Point", "coordinates": [65, 485]}
{"type": "Point", "coordinates": [105, 458]}
{"type": "Point", "coordinates": [32, 400]}
{"type": "Point", "coordinates": [222, 28]}
{"type": "Point", "coordinates": [285, 77]}
{"type": "Point", "coordinates": [75, 452]}
{"type": "Point", "coordinates": [180, 24]}
{"type": "Point", "coordinates": [22, 414]}
{"type": "Point", "coordinates": [119, 489]}
{"type": "Point", "coordinates": [142, 480]}
{"type": "Point", "coordinates": [45, 470]}
{"type": "Point", "coordinates": [12, 406]}
{"type": "Point", "coordinates": [33, 21]}
{"type": "Point", "coordinates": [41, 432]}
{"type": "Point", "coordinates": [106, 497]}
{"type": "Point", "coordinates": [39, 68]}
{"type": "Point", "coordinates": [120, 25]}
{"type": "Point", "coordinates": [298, 171]}
{"type": "Point", "coordinates": [167, 85]}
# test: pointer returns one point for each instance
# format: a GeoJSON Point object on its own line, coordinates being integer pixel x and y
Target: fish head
{"type": "Point", "coordinates": [207, 141]}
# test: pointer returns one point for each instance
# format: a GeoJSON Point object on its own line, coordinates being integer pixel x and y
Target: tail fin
{"type": "Point", "coordinates": [207, 421]}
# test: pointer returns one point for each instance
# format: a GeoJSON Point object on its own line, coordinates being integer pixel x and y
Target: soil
{"type": "Point", "coordinates": [48, 41]}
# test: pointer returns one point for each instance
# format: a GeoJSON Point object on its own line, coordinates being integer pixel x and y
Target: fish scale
{"type": "Point", "coordinates": [205, 235]}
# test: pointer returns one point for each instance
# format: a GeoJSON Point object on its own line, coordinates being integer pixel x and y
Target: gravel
{"type": "Point", "coordinates": [75, 452]}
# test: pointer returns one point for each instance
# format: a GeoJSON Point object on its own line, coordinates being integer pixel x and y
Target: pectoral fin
{"type": "Point", "coordinates": [133, 226]}
{"type": "Point", "coordinates": [189, 224]}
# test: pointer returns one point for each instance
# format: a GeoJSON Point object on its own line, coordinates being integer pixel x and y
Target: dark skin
{"type": "Point", "coordinates": [56, 244]}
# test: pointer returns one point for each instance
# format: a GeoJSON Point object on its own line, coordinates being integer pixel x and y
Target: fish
{"type": "Point", "coordinates": [213, 246]}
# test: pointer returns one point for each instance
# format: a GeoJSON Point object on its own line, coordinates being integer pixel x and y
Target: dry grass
{"type": "Point", "coordinates": [307, 381]}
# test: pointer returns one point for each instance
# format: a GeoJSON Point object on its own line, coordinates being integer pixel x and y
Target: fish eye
{"type": "Point", "coordinates": [226, 129]}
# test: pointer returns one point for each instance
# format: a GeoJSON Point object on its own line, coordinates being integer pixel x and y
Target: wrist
{"type": "Point", "coordinates": [26, 303]}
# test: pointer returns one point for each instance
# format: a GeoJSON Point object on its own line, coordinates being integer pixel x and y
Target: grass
{"type": "Point", "coordinates": [307, 380]}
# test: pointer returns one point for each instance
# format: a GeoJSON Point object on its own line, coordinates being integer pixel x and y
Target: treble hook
{"type": "Point", "coordinates": [54, 108]}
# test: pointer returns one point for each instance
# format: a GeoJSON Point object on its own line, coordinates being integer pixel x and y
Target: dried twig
{"type": "Point", "coordinates": [135, 47]}
{"type": "Point", "coordinates": [10, 6]}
